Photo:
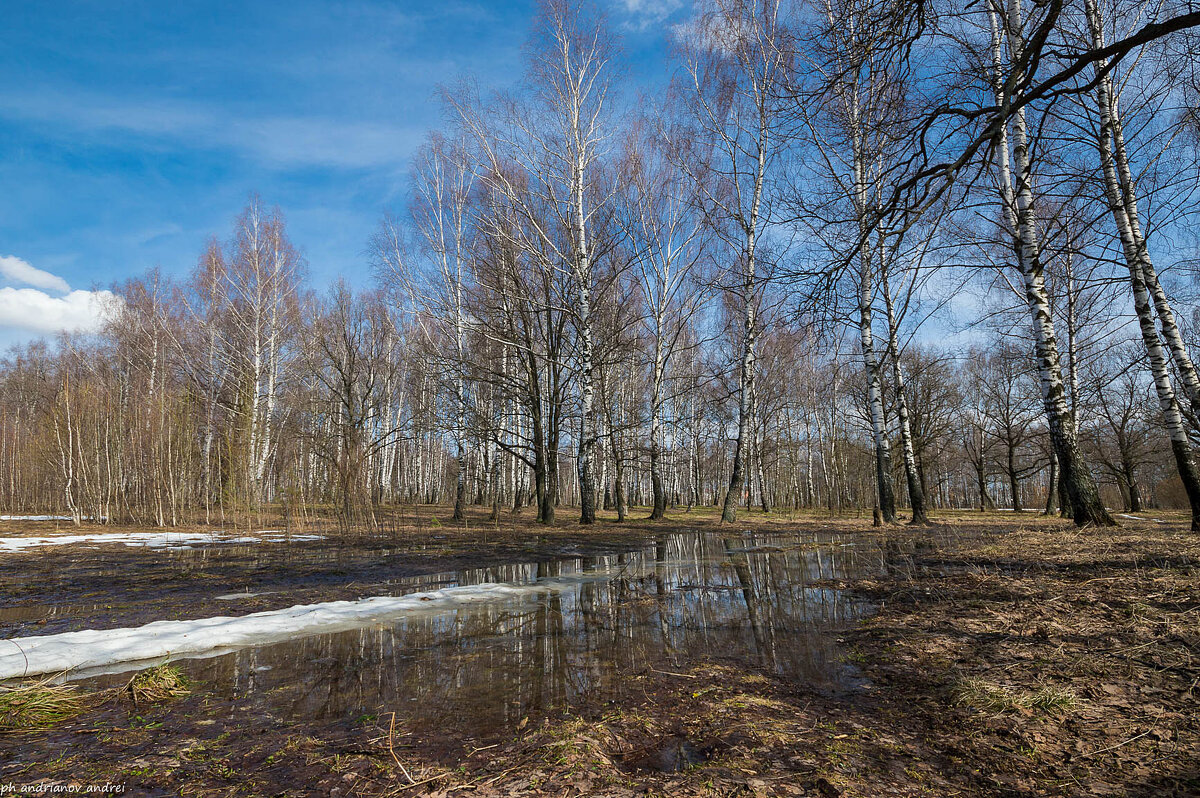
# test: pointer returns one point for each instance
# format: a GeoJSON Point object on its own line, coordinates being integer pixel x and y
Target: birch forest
{"type": "Point", "coordinates": [867, 257]}
{"type": "Point", "coordinates": [714, 399]}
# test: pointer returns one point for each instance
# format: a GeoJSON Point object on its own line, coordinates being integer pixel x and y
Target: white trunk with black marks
{"type": "Point", "coordinates": [275, 294]}
{"type": "Point", "coordinates": [810, 488]}
{"type": "Point", "coordinates": [1172, 417]}
{"type": "Point", "coordinates": [883, 454]}
{"type": "Point", "coordinates": [1125, 212]}
{"type": "Point", "coordinates": [1122, 204]}
{"type": "Point", "coordinates": [916, 495]}
{"type": "Point", "coordinates": [66, 451]}
{"type": "Point", "coordinates": [460, 386]}
{"type": "Point", "coordinates": [885, 495]}
{"type": "Point", "coordinates": [256, 371]}
{"type": "Point", "coordinates": [1171, 333]}
{"type": "Point", "coordinates": [1072, 343]}
{"type": "Point", "coordinates": [1018, 202]}
{"type": "Point", "coordinates": [656, 411]}
{"type": "Point", "coordinates": [587, 389]}
{"type": "Point", "coordinates": [746, 376]}
{"type": "Point", "coordinates": [764, 498]}
{"type": "Point", "coordinates": [737, 476]}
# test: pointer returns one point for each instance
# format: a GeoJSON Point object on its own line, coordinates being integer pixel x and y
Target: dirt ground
{"type": "Point", "coordinates": [1008, 657]}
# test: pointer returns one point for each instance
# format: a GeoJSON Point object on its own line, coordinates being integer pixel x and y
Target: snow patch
{"type": "Point", "coordinates": [49, 518]}
{"type": "Point", "coordinates": [93, 649]}
{"type": "Point", "coordinates": [150, 540]}
{"type": "Point", "coordinates": [35, 518]}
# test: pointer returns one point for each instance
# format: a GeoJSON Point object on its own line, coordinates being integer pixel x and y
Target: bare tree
{"type": "Point", "coordinates": [545, 159]}
{"type": "Point", "coordinates": [352, 352]}
{"type": "Point", "coordinates": [1015, 168]}
{"type": "Point", "coordinates": [435, 289]}
{"type": "Point", "coordinates": [1122, 202]}
{"type": "Point", "coordinates": [667, 236]}
{"type": "Point", "coordinates": [735, 66]}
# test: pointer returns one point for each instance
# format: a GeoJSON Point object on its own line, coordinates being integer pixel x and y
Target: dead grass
{"type": "Point", "coordinates": [42, 704]}
{"type": "Point", "coordinates": [39, 705]}
{"type": "Point", "coordinates": [163, 682]}
{"type": "Point", "coordinates": [992, 697]}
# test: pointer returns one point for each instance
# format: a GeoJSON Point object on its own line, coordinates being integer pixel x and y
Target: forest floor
{"type": "Point", "coordinates": [1008, 656]}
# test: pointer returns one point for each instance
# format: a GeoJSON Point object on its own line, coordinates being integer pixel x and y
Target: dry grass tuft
{"type": "Point", "coordinates": [161, 683]}
{"type": "Point", "coordinates": [998, 698]}
{"type": "Point", "coordinates": [39, 705]}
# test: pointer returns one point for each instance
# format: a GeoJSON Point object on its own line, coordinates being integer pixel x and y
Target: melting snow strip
{"type": "Point", "coordinates": [38, 518]}
{"type": "Point", "coordinates": [152, 540]}
{"type": "Point", "coordinates": [94, 649]}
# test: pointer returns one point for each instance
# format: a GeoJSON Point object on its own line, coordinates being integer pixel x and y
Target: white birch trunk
{"type": "Point", "coordinates": [916, 495]}
{"type": "Point", "coordinates": [1018, 204]}
{"type": "Point", "coordinates": [1123, 206]}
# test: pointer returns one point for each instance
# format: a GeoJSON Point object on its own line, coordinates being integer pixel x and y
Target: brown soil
{"type": "Point", "coordinates": [1009, 657]}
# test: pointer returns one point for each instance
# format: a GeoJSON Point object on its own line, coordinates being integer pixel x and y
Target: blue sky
{"type": "Point", "coordinates": [131, 132]}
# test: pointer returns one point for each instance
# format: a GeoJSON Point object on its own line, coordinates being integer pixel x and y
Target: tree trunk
{"type": "Point", "coordinates": [1018, 204]}
{"type": "Point", "coordinates": [746, 388]}
{"type": "Point", "coordinates": [659, 498]}
{"type": "Point", "coordinates": [916, 492]}
{"type": "Point", "coordinates": [1121, 202]}
{"type": "Point", "coordinates": [985, 501]}
{"type": "Point", "coordinates": [1135, 498]}
{"type": "Point", "coordinates": [1052, 487]}
{"type": "Point", "coordinates": [883, 456]}
{"type": "Point", "coordinates": [759, 435]}
{"type": "Point", "coordinates": [1014, 482]}
{"type": "Point", "coordinates": [460, 485]}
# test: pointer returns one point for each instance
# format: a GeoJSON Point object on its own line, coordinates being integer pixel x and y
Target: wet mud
{"type": "Point", "coordinates": [978, 657]}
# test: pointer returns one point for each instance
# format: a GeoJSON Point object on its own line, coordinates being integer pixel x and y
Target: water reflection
{"type": "Point", "coordinates": [685, 596]}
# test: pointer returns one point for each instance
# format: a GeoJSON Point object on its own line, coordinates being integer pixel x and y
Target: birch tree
{"type": "Point", "coordinates": [847, 101]}
{"type": "Point", "coordinates": [353, 353]}
{"type": "Point", "coordinates": [259, 289]}
{"type": "Point", "coordinates": [435, 290]}
{"type": "Point", "coordinates": [1148, 294]}
{"type": "Point", "coordinates": [1017, 201]}
{"type": "Point", "coordinates": [515, 303]}
{"type": "Point", "coordinates": [558, 143]}
{"type": "Point", "coordinates": [735, 66]}
{"type": "Point", "coordinates": [667, 238]}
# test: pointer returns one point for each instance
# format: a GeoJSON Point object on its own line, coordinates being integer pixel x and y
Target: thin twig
{"type": "Point", "coordinates": [392, 751]}
{"type": "Point", "coordinates": [1153, 726]}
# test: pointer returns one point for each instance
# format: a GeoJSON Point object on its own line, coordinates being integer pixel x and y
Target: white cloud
{"type": "Point", "coordinates": [18, 271]}
{"type": "Point", "coordinates": [712, 28]}
{"type": "Point", "coordinates": [277, 140]}
{"type": "Point", "coordinates": [36, 311]}
{"type": "Point", "coordinates": [645, 13]}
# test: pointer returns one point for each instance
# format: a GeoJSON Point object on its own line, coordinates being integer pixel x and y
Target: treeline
{"type": "Point", "coordinates": [729, 292]}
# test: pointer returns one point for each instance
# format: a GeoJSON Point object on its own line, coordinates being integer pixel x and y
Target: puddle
{"type": "Point", "coordinates": [41, 613]}
{"type": "Point", "coordinates": [583, 628]}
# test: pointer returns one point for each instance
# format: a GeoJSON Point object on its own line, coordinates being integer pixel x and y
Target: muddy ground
{"type": "Point", "coordinates": [1008, 657]}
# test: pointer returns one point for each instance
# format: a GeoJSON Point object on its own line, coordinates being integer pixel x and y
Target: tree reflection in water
{"type": "Point", "coordinates": [687, 595]}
